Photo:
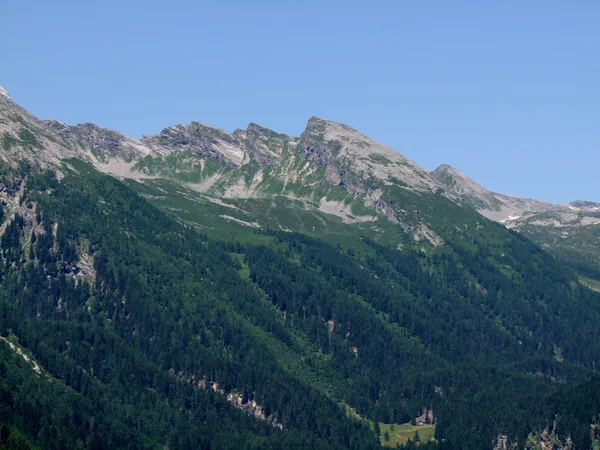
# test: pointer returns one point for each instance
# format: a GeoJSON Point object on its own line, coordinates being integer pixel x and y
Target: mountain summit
{"type": "Point", "coordinates": [3, 92]}
{"type": "Point", "coordinates": [357, 158]}
{"type": "Point", "coordinates": [466, 189]}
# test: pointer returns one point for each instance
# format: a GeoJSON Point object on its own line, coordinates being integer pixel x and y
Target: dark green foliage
{"type": "Point", "coordinates": [8, 141]}
{"type": "Point", "coordinates": [28, 138]}
{"type": "Point", "coordinates": [12, 439]}
{"type": "Point", "coordinates": [295, 324]}
{"type": "Point", "coordinates": [163, 314]}
{"type": "Point", "coordinates": [574, 409]}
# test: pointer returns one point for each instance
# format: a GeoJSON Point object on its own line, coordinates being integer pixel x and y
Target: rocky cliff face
{"type": "Point", "coordinates": [4, 93]}
{"type": "Point", "coordinates": [266, 146]}
{"type": "Point", "coordinates": [23, 137]}
{"type": "Point", "coordinates": [112, 143]}
{"type": "Point", "coordinates": [354, 160]}
{"type": "Point", "coordinates": [198, 139]}
{"type": "Point", "coordinates": [583, 205]}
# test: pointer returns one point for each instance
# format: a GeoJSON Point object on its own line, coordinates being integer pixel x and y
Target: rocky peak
{"type": "Point", "coordinates": [351, 157]}
{"type": "Point", "coordinates": [259, 129]}
{"type": "Point", "coordinates": [198, 139]}
{"type": "Point", "coordinates": [265, 145]}
{"type": "Point", "coordinates": [108, 141]}
{"type": "Point", "coordinates": [584, 205]}
{"type": "Point", "coordinates": [465, 188]}
{"type": "Point", "coordinates": [4, 92]}
{"type": "Point", "coordinates": [320, 125]}
{"type": "Point", "coordinates": [58, 126]}
{"type": "Point", "coordinates": [452, 177]}
{"type": "Point", "coordinates": [446, 169]}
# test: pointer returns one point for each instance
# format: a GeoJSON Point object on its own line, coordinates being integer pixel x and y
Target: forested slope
{"type": "Point", "coordinates": [123, 328]}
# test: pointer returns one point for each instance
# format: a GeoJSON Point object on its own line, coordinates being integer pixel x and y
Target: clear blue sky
{"type": "Point", "coordinates": [507, 91]}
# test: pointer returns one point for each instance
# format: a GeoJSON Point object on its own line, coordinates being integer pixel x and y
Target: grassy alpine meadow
{"type": "Point", "coordinates": [393, 435]}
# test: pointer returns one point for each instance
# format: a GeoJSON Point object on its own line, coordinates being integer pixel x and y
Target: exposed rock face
{"type": "Point", "coordinates": [426, 417]}
{"type": "Point", "coordinates": [10, 197]}
{"type": "Point", "coordinates": [19, 351]}
{"type": "Point", "coordinates": [200, 140]}
{"type": "Point", "coordinates": [466, 189]}
{"type": "Point", "coordinates": [111, 142]}
{"type": "Point", "coordinates": [25, 137]}
{"type": "Point", "coordinates": [372, 172]}
{"type": "Point", "coordinates": [583, 205]}
{"type": "Point", "coordinates": [265, 145]}
{"type": "Point", "coordinates": [548, 440]}
{"type": "Point", "coordinates": [502, 443]}
{"type": "Point", "coordinates": [4, 93]}
{"type": "Point", "coordinates": [235, 398]}
{"type": "Point", "coordinates": [355, 161]}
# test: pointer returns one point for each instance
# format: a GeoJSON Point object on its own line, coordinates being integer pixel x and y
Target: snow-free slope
{"type": "Point", "coordinates": [330, 169]}
{"type": "Point", "coordinates": [571, 231]}
{"type": "Point", "coordinates": [403, 303]}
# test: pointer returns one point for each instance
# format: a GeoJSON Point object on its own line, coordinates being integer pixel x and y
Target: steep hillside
{"type": "Point", "coordinates": [132, 312]}
{"type": "Point", "coordinates": [99, 287]}
{"type": "Point", "coordinates": [256, 290]}
{"type": "Point", "coordinates": [571, 232]}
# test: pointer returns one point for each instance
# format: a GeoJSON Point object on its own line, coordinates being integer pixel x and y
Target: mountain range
{"type": "Point", "coordinates": [204, 289]}
{"type": "Point", "coordinates": [258, 163]}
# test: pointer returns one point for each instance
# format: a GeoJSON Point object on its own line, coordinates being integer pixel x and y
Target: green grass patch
{"type": "Point", "coordinates": [28, 138]}
{"type": "Point", "coordinates": [376, 157]}
{"type": "Point", "coordinates": [399, 434]}
{"type": "Point", "coordinates": [8, 141]}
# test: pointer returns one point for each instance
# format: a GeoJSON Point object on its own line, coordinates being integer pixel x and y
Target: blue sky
{"type": "Point", "coordinates": [508, 92]}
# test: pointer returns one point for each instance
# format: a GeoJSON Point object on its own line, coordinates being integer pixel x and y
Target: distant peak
{"type": "Point", "coordinates": [204, 125]}
{"type": "Point", "coordinates": [461, 185]}
{"type": "Point", "coordinates": [447, 168]}
{"type": "Point", "coordinates": [333, 130]}
{"type": "Point", "coordinates": [584, 205]}
{"type": "Point", "coordinates": [254, 126]}
{"type": "Point", "coordinates": [259, 129]}
{"type": "Point", "coordinates": [4, 92]}
{"type": "Point", "coordinates": [316, 121]}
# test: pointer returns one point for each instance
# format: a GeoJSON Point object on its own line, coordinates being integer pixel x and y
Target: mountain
{"type": "Point", "coordinates": [571, 232]}
{"type": "Point", "coordinates": [330, 170]}
{"type": "Point", "coordinates": [205, 289]}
